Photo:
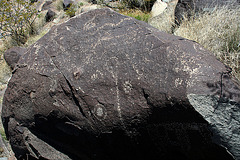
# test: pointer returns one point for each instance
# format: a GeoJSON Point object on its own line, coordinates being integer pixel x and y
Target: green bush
{"type": "Point", "coordinates": [143, 17]}
{"type": "Point", "coordinates": [137, 14]}
{"type": "Point", "coordinates": [16, 19]}
{"type": "Point", "coordinates": [71, 10]}
{"type": "Point", "coordinates": [3, 135]}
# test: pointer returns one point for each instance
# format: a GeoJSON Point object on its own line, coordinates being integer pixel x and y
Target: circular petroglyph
{"type": "Point", "coordinates": [100, 111]}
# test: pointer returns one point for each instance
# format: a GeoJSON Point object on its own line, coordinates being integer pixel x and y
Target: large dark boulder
{"type": "Point", "coordinates": [106, 86]}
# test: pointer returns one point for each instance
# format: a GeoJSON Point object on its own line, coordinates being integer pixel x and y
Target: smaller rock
{"type": "Point", "coordinates": [50, 15]}
{"type": "Point", "coordinates": [183, 8]}
{"type": "Point", "coordinates": [163, 15]}
{"type": "Point", "coordinates": [158, 7]}
{"type": "Point", "coordinates": [12, 55]}
{"type": "Point", "coordinates": [43, 5]}
{"type": "Point", "coordinates": [46, 5]}
{"type": "Point", "coordinates": [67, 4]}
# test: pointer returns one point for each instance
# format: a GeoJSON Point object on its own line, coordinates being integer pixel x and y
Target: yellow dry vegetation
{"type": "Point", "coordinates": [219, 32]}
{"type": "Point", "coordinates": [136, 13]}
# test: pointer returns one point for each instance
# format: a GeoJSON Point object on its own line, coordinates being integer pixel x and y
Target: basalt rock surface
{"type": "Point", "coordinates": [106, 86]}
{"type": "Point", "coordinates": [13, 54]}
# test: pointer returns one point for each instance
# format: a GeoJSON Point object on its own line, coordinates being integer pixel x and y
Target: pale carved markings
{"type": "Point", "coordinates": [118, 96]}
{"type": "Point", "coordinates": [57, 45]}
{"type": "Point", "coordinates": [34, 64]}
{"type": "Point", "coordinates": [188, 61]}
{"type": "Point", "coordinates": [139, 72]}
{"type": "Point", "coordinates": [55, 32]}
{"type": "Point", "coordinates": [40, 64]}
{"type": "Point", "coordinates": [90, 24]}
{"type": "Point", "coordinates": [98, 74]}
{"type": "Point", "coordinates": [193, 72]}
{"type": "Point", "coordinates": [77, 72]}
{"type": "Point", "coordinates": [108, 37]}
{"type": "Point", "coordinates": [114, 73]}
{"type": "Point", "coordinates": [127, 87]}
{"type": "Point", "coordinates": [178, 82]}
{"type": "Point", "coordinates": [68, 28]}
{"type": "Point", "coordinates": [56, 104]}
{"type": "Point", "coordinates": [198, 47]}
{"type": "Point", "coordinates": [79, 88]}
{"type": "Point", "coordinates": [100, 111]}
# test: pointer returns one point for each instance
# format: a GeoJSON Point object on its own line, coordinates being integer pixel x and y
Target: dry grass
{"type": "Point", "coordinates": [219, 32]}
{"type": "Point", "coordinates": [137, 14]}
{"type": "Point", "coordinates": [39, 23]}
{"type": "Point", "coordinates": [5, 72]}
{"type": "Point", "coordinates": [34, 38]}
{"type": "Point", "coordinates": [58, 4]}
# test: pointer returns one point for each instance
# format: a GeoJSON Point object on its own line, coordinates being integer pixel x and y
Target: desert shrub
{"type": "Point", "coordinates": [71, 10]}
{"type": "Point", "coordinates": [144, 5]}
{"type": "Point", "coordinates": [80, 4]}
{"type": "Point", "coordinates": [39, 23]}
{"type": "Point", "coordinates": [137, 14]}
{"type": "Point", "coordinates": [2, 132]}
{"type": "Point", "coordinates": [16, 19]}
{"type": "Point", "coordinates": [218, 31]}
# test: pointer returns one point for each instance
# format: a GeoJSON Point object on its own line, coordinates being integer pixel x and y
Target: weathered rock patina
{"type": "Point", "coordinates": [107, 86]}
{"type": "Point", "coordinates": [13, 54]}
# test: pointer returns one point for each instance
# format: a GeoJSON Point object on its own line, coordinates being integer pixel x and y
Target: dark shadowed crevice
{"type": "Point", "coordinates": [34, 150]}
{"type": "Point", "coordinates": [146, 96]}
{"type": "Point", "coordinates": [70, 86]}
{"type": "Point", "coordinates": [74, 97]}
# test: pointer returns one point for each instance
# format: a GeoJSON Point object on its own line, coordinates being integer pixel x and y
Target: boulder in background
{"type": "Point", "coordinates": [189, 7]}
{"type": "Point", "coordinates": [163, 15]}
